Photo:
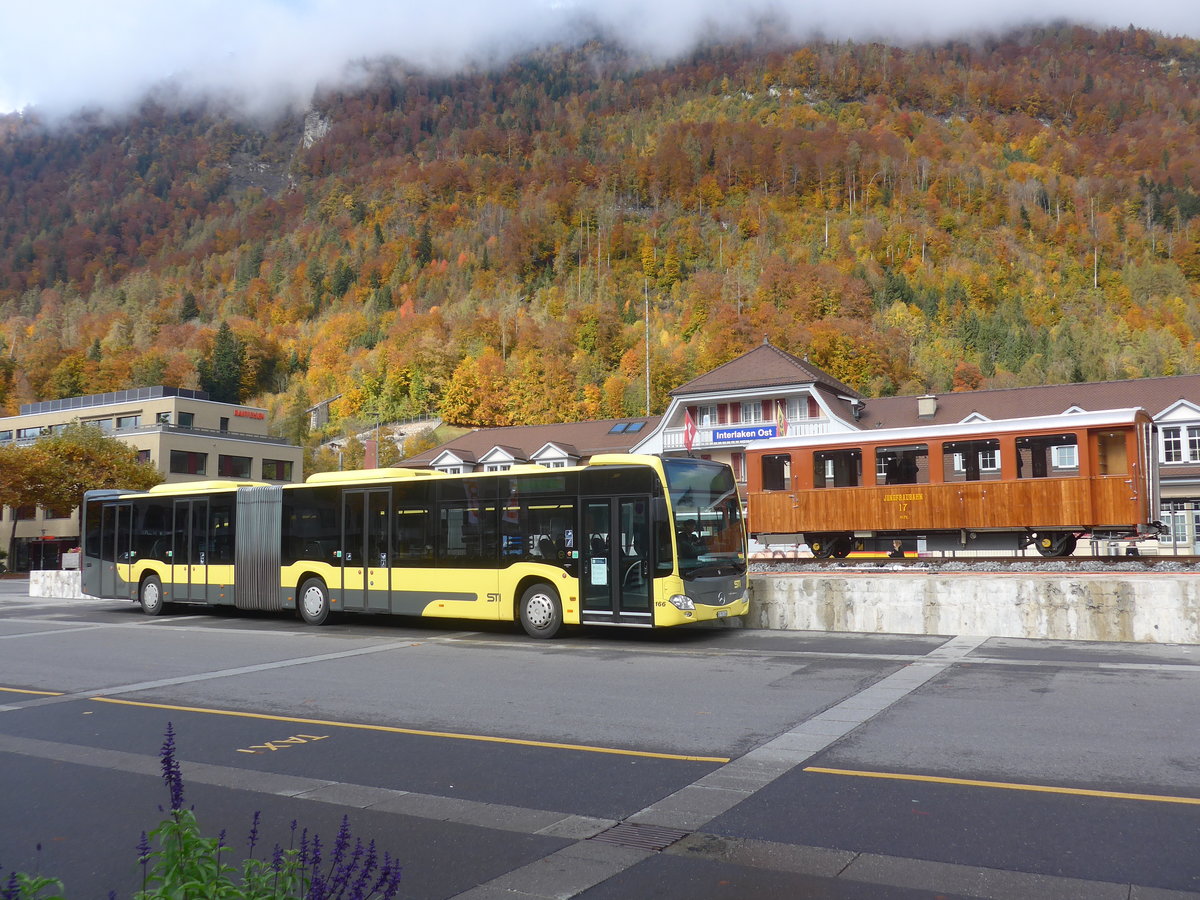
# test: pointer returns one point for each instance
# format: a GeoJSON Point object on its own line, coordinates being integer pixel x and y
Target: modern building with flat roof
{"type": "Point", "coordinates": [182, 433]}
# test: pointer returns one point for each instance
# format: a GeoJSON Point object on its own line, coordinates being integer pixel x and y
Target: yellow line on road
{"type": "Point", "coordinates": [548, 745]}
{"type": "Point", "coordinates": [8, 690]}
{"type": "Point", "coordinates": [1008, 786]}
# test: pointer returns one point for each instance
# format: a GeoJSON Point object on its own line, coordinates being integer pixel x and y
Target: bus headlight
{"type": "Point", "coordinates": [681, 601]}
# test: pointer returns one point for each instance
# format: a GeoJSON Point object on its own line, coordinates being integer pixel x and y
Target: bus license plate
{"type": "Point", "coordinates": [722, 613]}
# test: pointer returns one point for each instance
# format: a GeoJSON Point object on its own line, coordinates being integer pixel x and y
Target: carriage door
{"type": "Point", "coordinates": [115, 547]}
{"type": "Point", "coordinates": [366, 554]}
{"type": "Point", "coordinates": [189, 551]}
{"type": "Point", "coordinates": [616, 570]}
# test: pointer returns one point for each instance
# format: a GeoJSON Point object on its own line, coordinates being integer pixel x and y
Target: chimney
{"type": "Point", "coordinates": [927, 406]}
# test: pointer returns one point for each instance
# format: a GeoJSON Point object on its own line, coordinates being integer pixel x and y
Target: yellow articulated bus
{"type": "Point", "coordinates": [630, 541]}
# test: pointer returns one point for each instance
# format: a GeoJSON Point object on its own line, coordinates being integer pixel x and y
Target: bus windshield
{"type": "Point", "coordinates": [708, 518]}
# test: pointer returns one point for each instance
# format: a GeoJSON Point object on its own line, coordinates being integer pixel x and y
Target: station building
{"type": "Point", "coordinates": [183, 433]}
{"type": "Point", "coordinates": [768, 392]}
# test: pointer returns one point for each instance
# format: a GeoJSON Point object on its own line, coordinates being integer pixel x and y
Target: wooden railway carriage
{"type": "Point", "coordinates": [1001, 485]}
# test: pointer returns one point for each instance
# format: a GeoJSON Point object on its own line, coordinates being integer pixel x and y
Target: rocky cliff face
{"type": "Point", "coordinates": [316, 126]}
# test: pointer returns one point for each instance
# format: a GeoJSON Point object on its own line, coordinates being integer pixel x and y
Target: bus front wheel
{"type": "Point", "coordinates": [313, 602]}
{"type": "Point", "coordinates": [151, 596]}
{"type": "Point", "coordinates": [541, 611]}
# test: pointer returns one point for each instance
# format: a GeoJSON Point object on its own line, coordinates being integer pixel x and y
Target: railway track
{"type": "Point", "coordinates": [948, 564]}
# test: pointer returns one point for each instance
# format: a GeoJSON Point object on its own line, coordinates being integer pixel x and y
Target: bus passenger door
{"type": "Point", "coordinates": [189, 556]}
{"type": "Point", "coordinates": [617, 565]}
{"type": "Point", "coordinates": [366, 550]}
{"type": "Point", "coordinates": [115, 548]}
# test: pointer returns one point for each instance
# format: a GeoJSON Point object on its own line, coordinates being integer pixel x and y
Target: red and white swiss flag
{"type": "Point", "coordinates": [689, 430]}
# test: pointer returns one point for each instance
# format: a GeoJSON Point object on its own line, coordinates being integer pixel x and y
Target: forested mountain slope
{"type": "Point", "coordinates": [1019, 210]}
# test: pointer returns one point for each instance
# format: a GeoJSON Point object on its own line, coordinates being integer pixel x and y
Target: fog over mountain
{"type": "Point", "coordinates": [62, 55]}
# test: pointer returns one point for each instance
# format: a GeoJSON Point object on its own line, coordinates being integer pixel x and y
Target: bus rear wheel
{"type": "Point", "coordinates": [541, 611]}
{"type": "Point", "coordinates": [312, 601]}
{"type": "Point", "coordinates": [150, 596]}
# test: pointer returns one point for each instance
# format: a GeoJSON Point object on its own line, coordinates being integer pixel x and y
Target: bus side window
{"type": "Point", "coordinates": [777, 472]}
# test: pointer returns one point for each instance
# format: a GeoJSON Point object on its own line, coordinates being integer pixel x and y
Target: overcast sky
{"type": "Point", "coordinates": [60, 55]}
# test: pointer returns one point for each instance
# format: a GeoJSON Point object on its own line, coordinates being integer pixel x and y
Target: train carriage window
{"type": "Point", "coordinates": [908, 464]}
{"type": "Point", "coordinates": [837, 468]}
{"type": "Point", "coordinates": [777, 472]}
{"type": "Point", "coordinates": [971, 460]}
{"type": "Point", "coordinates": [1047, 456]}
{"type": "Point", "coordinates": [1111, 454]}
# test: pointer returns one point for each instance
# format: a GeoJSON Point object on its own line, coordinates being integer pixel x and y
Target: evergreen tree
{"type": "Point", "coordinates": [221, 371]}
{"type": "Point", "coordinates": [189, 309]}
{"type": "Point", "coordinates": [425, 245]}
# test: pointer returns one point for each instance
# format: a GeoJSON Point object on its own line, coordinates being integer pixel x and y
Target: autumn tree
{"type": "Point", "coordinates": [60, 467]}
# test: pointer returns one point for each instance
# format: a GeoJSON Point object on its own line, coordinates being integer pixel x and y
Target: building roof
{"type": "Point", "coordinates": [763, 367]}
{"type": "Point", "coordinates": [589, 438]}
{"type": "Point", "coordinates": [1155, 395]}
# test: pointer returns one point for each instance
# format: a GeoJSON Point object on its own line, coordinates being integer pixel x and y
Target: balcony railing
{"type": "Point", "coordinates": [740, 433]}
{"type": "Point", "coordinates": [172, 429]}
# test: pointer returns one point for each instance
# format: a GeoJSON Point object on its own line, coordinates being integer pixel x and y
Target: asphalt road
{"type": "Point", "coordinates": [705, 763]}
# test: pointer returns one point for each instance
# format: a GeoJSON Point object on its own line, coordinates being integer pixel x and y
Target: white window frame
{"type": "Point", "coordinates": [706, 416]}
{"type": "Point", "coordinates": [1064, 456]}
{"type": "Point", "coordinates": [1172, 444]}
{"type": "Point", "coordinates": [752, 412]}
{"type": "Point", "coordinates": [797, 408]}
{"type": "Point", "coordinates": [989, 461]}
{"type": "Point", "coordinates": [1192, 447]}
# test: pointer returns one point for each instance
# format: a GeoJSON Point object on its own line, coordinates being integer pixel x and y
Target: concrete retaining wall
{"type": "Point", "coordinates": [1149, 608]}
{"type": "Point", "coordinates": [1129, 607]}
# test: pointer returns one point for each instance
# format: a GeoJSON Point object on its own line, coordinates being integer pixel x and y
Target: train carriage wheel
{"type": "Point", "coordinates": [1056, 543]}
{"type": "Point", "coordinates": [821, 545]}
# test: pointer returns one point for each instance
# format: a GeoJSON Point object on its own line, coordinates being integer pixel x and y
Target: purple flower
{"type": "Point", "coordinates": [172, 777]}
{"type": "Point", "coordinates": [253, 839]}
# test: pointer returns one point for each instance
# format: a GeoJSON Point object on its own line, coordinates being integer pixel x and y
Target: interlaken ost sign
{"type": "Point", "coordinates": [743, 433]}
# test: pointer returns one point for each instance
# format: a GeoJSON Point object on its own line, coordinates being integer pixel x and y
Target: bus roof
{"type": "Point", "coordinates": [355, 475]}
{"type": "Point", "coordinates": [192, 487]}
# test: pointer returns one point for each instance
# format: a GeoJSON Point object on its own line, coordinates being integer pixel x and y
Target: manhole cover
{"type": "Point", "coordinates": [641, 837]}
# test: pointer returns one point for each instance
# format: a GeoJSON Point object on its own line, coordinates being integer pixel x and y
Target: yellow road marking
{"type": "Point", "coordinates": [37, 693]}
{"type": "Point", "coordinates": [1008, 786]}
{"type": "Point", "coordinates": [390, 729]}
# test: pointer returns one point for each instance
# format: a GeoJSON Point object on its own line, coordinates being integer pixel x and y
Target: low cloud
{"type": "Point", "coordinates": [63, 55]}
